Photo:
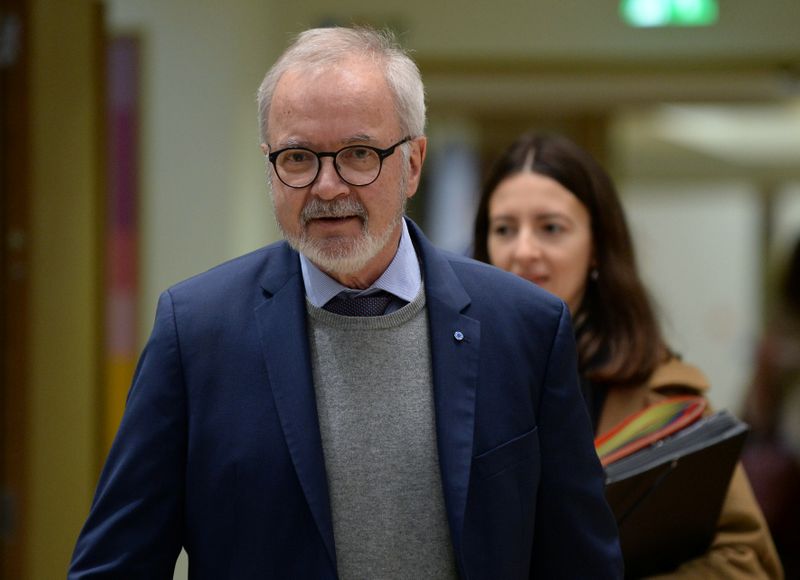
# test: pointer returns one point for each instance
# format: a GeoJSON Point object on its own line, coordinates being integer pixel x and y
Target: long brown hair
{"type": "Point", "coordinates": [618, 337]}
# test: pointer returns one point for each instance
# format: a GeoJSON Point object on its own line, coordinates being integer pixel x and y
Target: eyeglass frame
{"type": "Point", "coordinates": [382, 154]}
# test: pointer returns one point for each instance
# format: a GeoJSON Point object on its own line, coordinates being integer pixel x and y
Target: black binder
{"type": "Point", "coordinates": [667, 497]}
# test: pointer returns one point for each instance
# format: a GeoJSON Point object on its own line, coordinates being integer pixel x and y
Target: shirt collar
{"type": "Point", "coordinates": [402, 278]}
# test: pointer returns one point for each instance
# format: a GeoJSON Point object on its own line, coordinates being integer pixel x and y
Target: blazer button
{"type": "Point", "coordinates": [458, 335]}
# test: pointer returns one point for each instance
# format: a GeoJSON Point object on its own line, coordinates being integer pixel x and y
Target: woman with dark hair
{"type": "Point", "coordinates": [551, 214]}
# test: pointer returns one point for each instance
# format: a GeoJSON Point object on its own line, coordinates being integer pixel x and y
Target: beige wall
{"type": "Point", "coordinates": [63, 349]}
{"type": "Point", "coordinates": [203, 192]}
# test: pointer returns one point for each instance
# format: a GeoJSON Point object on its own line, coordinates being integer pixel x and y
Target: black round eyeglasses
{"type": "Point", "coordinates": [357, 165]}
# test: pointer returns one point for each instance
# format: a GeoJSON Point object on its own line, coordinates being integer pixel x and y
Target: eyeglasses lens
{"type": "Point", "coordinates": [356, 165]}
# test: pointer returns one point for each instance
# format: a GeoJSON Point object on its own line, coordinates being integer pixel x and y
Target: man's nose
{"type": "Point", "coordinates": [328, 184]}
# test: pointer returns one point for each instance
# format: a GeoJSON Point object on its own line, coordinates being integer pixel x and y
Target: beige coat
{"type": "Point", "coordinates": [743, 547]}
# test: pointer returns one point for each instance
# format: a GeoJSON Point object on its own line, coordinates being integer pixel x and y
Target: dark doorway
{"type": "Point", "coordinates": [13, 282]}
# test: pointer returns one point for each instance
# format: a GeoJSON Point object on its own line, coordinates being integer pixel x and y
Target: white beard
{"type": "Point", "coordinates": [343, 256]}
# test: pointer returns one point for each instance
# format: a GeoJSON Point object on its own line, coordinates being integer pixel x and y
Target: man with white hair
{"type": "Point", "coordinates": [352, 402]}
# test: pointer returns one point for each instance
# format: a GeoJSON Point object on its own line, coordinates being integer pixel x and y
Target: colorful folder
{"type": "Point", "coordinates": [648, 426]}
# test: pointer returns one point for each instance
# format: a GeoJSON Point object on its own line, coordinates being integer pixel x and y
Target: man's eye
{"type": "Point", "coordinates": [297, 156]}
{"type": "Point", "coordinates": [352, 154]}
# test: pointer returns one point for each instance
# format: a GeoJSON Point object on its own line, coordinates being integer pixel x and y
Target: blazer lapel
{"type": "Point", "coordinates": [455, 349]}
{"type": "Point", "coordinates": [282, 325]}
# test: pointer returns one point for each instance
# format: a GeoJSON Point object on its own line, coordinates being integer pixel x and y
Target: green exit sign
{"type": "Point", "coordinates": [669, 12]}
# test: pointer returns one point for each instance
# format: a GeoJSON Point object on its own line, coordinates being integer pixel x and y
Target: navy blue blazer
{"type": "Point", "coordinates": [219, 449]}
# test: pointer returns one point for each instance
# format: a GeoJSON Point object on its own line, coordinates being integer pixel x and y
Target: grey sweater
{"type": "Point", "coordinates": [372, 377]}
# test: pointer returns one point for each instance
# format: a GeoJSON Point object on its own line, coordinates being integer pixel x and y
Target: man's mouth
{"type": "Point", "coordinates": [333, 219]}
{"type": "Point", "coordinates": [333, 213]}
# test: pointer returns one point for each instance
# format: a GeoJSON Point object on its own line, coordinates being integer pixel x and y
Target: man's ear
{"type": "Point", "coordinates": [264, 148]}
{"type": "Point", "coordinates": [419, 147]}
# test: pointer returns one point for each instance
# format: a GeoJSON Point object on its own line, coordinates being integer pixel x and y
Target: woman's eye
{"type": "Point", "coordinates": [552, 228]}
{"type": "Point", "coordinates": [502, 230]}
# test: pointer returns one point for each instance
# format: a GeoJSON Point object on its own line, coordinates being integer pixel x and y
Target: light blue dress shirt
{"type": "Point", "coordinates": [402, 278]}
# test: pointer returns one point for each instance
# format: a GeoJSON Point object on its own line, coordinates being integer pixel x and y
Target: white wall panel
{"type": "Point", "coordinates": [697, 247]}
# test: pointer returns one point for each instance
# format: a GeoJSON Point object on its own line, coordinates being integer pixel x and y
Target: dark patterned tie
{"type": "Point", "coordinates": [348, 305]}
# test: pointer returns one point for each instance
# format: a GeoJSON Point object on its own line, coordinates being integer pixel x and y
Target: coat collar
{"type": "Point", "coordinates": [672, 377]}
{"type": "Point", "coordinates": [281, 321]}
{"type": "Point", "coordinates": [455, 350]}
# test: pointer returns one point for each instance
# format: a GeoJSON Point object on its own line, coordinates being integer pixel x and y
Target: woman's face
{"type": "Point", "coordinates": [539, 230]}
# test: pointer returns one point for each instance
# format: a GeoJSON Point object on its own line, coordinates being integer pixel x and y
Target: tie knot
{"type": "Point", "coordinates": [370, 305]}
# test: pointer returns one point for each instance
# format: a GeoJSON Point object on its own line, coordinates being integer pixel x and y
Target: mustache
{"type": "Point", "coordinates": [317, 209]}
